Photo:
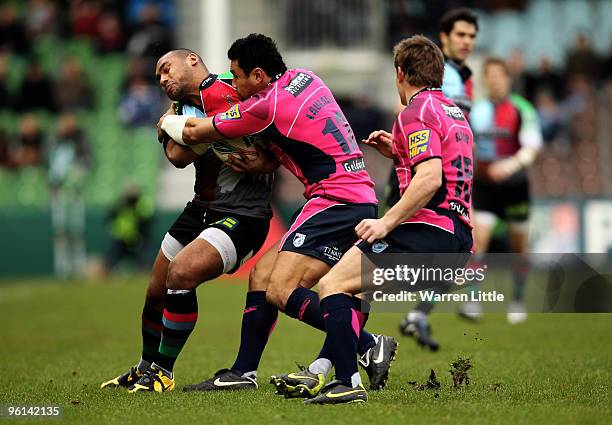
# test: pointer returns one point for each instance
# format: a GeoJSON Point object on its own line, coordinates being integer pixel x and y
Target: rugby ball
{"type": "Point", "coordinates": [224, 148]}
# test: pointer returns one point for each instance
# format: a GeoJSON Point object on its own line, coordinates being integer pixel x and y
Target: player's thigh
{"type": "Point", "coordinates": [156, 290]}
{"type": "Point", "coordinates": [198, 262]}
{"type": "Point", "coordinates": [484, 221]}
{"type": "Point", "coordinates": [344, 277]}
{"type": "Point", "coordinates": [291, 270]}
{"type": "Point", "coordinates": [518, 236]}
{"type": "Point", "coordinates": [260, 273]}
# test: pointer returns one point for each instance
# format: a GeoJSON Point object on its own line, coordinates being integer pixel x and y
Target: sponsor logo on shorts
{"type": "Point", "coordinates": [353, 165]}
{"type": "Point", "coordinates": [298, 84]}
{"type": "Point", "coordinates": [298, 239]}
{"type": "Point", "coordinates": [332, 253]}
{"type": "Point", "coordinates": [418, 142]}
{"type": "Point", "coordinates": [453, 112]}
{"type": "Point", "coordinates": [228, 222]}
{"type": "Point", "coordinates": [232, 113]}
{"type": "Point", "coordinates": [379, 246]}
{"type": "Point", "coordinates": [459, 208]}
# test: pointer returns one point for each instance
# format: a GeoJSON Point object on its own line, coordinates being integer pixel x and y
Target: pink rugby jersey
{"type": "Point", "coordinates": [309, 133]}
{"type": "Point", "coordinates": [432, 126]}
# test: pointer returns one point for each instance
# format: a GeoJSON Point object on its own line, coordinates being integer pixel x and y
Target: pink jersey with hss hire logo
{"type": "Point", "coordinates": [432, 126]}
{"type": "Point", "coordinates": [309, 133]}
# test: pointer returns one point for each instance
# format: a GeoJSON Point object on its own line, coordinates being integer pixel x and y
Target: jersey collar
{"type": "Point", "coordinates": [208, 81]}
{"type": "Point", "coordinates": [423, 90]}
{"type": "Point", "coordinates": [464, 71]}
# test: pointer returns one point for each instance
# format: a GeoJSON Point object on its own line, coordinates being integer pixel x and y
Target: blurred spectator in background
{"type": "Point", "coordinates": [110, 37]}
{"type": "Point", "coordinates": [72, 89]}
{"type": "Point", "coordinates": [151, 38]}
{"type": "Point", "coordinates": [516, 67]}
{"type": "Point", "coordinates": [84, 17]}
{"type": "Point", "coordinates": [138, 68]}
{"type": "Point", "coordinates": [140, 106]}
{"type": "Point", "coordinates": [363, 114]}
{"type": "Point", "coordinates": [6, 160]}
{"type": "Point", "coordinates": [69, 161]}
{"type": "Point", "coordinates": [549, 113]}
{"type": "Point", "coordinates": [40, 18]}
{"type": "Point", "coordinates": [167, 12]}
{"type": "Point", "coordinates": [543, 78]}
{"type": "Point", "coordinates": [582, 60]}
{"type": "Point", "coordinates": [36, 91]}
{"type": "Point", "coordinates": [129, 222]}
{"type": "Point", "coordinates": [7, 101]}
{"type": "Point", "coordinates": [12, 31]}
{"type": "Point", "coordinates": [29, 142]}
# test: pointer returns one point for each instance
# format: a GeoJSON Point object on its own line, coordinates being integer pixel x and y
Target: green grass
{"type": "Point", "coordinates": [59, 341]}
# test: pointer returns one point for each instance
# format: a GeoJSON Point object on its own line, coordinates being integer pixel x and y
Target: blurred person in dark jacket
{"type": "Point", "coordinates": [129, 222]}
{"type": "Point", "coordinates": [28, 151]}
{"type": "Point", "coordinates": [72, 89]}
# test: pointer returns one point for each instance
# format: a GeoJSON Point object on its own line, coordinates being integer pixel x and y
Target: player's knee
{"type": "Point", "coordinates": [181, 276]}
{"type": "Point", "coordinates": [277, 296]}
{"type": "Point", "coordinates": [325, 287]}
{"type": "Point", "coordinates": [258, 279]}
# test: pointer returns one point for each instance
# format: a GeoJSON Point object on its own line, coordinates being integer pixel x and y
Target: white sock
{"type": "Point", "coordinates": [320, 366]}
{"type": "Point", "coordinates": [415, 315]}
{"type": "Point", "coordinates": [355, 379]}
{"type": "Point", "coordinates": [252, 374]}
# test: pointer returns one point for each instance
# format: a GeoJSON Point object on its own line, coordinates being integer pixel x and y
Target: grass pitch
{"type": "Point", "coordinates": [60, 340]}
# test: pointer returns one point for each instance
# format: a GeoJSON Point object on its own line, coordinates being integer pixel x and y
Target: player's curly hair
{"type": "Point", "coordinates": [257, 51]}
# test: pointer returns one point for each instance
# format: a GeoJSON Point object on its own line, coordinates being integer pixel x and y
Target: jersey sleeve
{"type": "Point", "coordinates": [530, 133]}
{"type": "Point", "coordinates": [245, 118]}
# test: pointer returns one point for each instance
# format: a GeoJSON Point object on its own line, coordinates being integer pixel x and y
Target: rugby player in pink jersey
{"type": "Point", "coordinates": [310, 136]}
{"type": "Point", "coordinates": [431, 146]}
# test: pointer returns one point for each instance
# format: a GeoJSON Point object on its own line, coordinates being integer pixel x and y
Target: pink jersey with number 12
{"type": "Point", "coordinates": [309, 133]}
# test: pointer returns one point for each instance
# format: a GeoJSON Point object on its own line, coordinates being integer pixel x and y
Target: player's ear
{"type": "Point", "coordinates": [443, 37]}
{"type": "Point", "coordinates": [258, 74]}
{"type": "Point", "coordinates": [401, 75]}
{"type": "Point", "coordinates": [192, 59]}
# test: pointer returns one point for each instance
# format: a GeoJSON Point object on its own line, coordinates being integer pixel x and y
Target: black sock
{"type": "Point", "coordinates": [151, 332]}
{"type": "Point", "coordinates": [303, 304]}
{"type": "Point", "coordinates": [258, 321]}
{"type": "Point", "coordinates": [180, 316]}
{"type": "Point", "coordinates": [342, 323]}
{"type": "Point", "coordinates": [366, 339]}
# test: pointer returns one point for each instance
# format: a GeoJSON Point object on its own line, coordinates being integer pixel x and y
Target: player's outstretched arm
{"type": "Point", "coordinates": [186, 130]}
{"type": "Point", "coordinates": [382, 141]}
{"type": "Point", "coordinates": [426, 181]}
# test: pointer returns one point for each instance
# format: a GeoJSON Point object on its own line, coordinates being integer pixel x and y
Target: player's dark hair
{"type": "Point", "coordinates": [495, 61]}
{"type": "Point", "coordinates": [257, 51]}
{"type": "Point", "coordinates": [447, 22]}
{"type": "Point", "coordinates": [421, 60]}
